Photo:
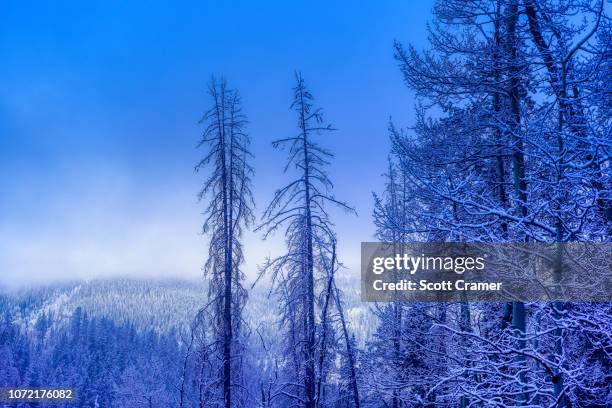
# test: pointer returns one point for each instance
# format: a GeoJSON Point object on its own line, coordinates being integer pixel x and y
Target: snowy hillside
{"type": "Point", "coordinates": [158, 305]}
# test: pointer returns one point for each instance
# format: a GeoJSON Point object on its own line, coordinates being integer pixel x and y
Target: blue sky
{"type": "Point", "coordinates": [99, 110]}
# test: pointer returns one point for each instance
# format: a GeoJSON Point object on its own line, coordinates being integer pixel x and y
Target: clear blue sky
{"type": "Point", "coordinates": [99, 104]}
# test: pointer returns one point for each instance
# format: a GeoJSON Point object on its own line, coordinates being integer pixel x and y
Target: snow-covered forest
{"type": "Point", "coordinates": [511, 143]}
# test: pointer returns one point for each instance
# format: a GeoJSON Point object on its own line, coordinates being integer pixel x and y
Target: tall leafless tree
{"type": "Point", "coordinates": [227, 191]}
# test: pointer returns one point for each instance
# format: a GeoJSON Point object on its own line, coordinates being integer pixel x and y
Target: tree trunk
{"type": "Point", "coordinates": [227, 267]}
{"type": "Point", "coordinates": [309, 380]}
{"type": "Point", "coordinates": [328, 294]}
{"type": "Point", "coordinates": [518, 157]}
{"type": "Point", "coordinates": [349, 351]}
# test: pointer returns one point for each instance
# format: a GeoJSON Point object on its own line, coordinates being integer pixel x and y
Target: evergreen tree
{"type": "Point", "coordinates": [300, 206]}
{"type": "Point", "coordinates": [228, 192]}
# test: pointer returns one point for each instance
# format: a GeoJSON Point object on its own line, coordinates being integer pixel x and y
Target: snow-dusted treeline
{"type": "Point", "coordinates": [106, 364]}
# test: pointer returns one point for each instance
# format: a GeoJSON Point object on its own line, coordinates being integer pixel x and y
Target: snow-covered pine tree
{"type": "Point", "coordinates": [227, 192]}
{"type": "Point", "coordinates": [300, 207]}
